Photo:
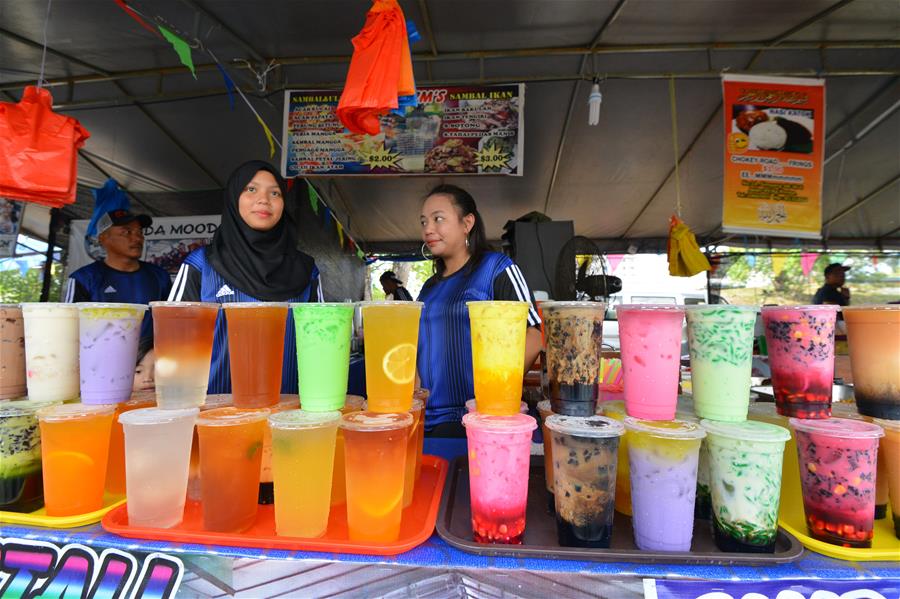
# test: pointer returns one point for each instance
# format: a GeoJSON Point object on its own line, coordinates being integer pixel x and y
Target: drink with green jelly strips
{"type": "Point", "coordinates": [21, 483]}
{"type": "Point", "coordinates": [323, 353]}
{"type": "Point", "coordinates": [721, 348]}
{"type": "Point", "coordinates": [745, 483]}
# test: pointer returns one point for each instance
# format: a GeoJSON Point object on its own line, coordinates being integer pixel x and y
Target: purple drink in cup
{"type": "Point", "coordinates": [108, 339]}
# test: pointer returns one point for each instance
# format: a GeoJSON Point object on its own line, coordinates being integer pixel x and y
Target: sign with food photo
{"type": "Point", "coordinates": [468, 130]}
{"type": "Point", "coordinates": [774, 142]}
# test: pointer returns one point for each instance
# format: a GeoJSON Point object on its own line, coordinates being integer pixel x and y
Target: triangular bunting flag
{"type": "Point", "coordinates": [360, 254]}
{"type": "Point", "coordinates": [182, 49]}
{"type": "Point", "coordinates": [269, 137]}
{"type": "Point", "coordinates": [229, 84]}
{"type": "Point", "coordinates": [340, 230]}
{"type": "Point", "coordinates": [131, 13]}
{"type": "Point", "coordinates": [807, 261]}
{"type": "Point", "coordinates": [313, 198]}
{"type": "Point", "coordinates": [778, 264]}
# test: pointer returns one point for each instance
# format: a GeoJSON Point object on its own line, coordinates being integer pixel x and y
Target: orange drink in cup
{"type": "Point", "coordinates": [413, 452]}
{"type": "Point", "coordinates": [74, 450]}
{"type": "Point", "coordinates": [498, 355]}
{"type": "Point", "coordinates": [256, 348]}
{"type": "Point", "coordinates": [353, 403]}
{"type": "Point", "coordinates": [391, 331]}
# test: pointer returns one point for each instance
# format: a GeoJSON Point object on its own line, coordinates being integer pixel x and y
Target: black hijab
{"type": "Point", "coordinates": [263, 264]}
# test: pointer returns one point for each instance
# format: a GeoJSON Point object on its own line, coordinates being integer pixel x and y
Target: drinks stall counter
{"type": "Point", "coordinates": [437, 569]}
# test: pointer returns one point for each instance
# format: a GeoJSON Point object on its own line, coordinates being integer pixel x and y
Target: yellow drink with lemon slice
{"type": "Point", "coordinates": [391, 331]}
{"type": "Point", "coordinates": [498, 355]}
{"type": "Point", "coordinates": [74, 450]}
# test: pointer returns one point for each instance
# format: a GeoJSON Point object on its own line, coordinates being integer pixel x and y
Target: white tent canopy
{"type": "Point", "coordinates": [171, 140]}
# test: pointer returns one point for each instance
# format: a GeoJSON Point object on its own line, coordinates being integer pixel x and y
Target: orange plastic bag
{"type": "Point", "coordinates": [39, 150]}
{"type": "Point", "coordinates": [380, 69]}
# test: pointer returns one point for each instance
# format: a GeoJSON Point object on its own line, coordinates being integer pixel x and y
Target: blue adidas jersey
{"type": "Point", "coordinates": [98, 282]}
{"type": "Point", "coordinates": [197, 280]}
{"type": "Point", "coordinates": [445, 342]}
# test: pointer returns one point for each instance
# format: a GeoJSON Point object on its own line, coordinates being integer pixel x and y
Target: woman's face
{"type": "Point", "coordinates": [443, 231]}
{"type": "Point", "coordinates": [261, 203]}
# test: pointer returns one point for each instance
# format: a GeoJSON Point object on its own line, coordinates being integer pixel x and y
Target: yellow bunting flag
{"type": "Point", "coordinates": [268, 136]}
{"type": "Point", "coordinates": [778, 264]}
{"type": "Point", "coordinates": [340, 230]}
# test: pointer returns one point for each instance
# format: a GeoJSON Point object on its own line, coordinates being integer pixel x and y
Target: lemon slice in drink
{"type": "Point", "coordinates": [399, 364]}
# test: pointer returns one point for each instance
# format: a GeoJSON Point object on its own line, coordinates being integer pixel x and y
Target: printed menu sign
{"type": "Point", "coordinates": [453, 130]}
{"type": "Point", "coordinates": [774, 141]}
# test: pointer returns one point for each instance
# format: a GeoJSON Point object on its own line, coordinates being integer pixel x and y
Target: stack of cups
{"type": "Point", "coordinates": [874, 338]}
{"type": "Point", "coordinates": [740, 465]}
{"type": "Point", "coordinates": [306, 439]}
{"type": "Point", "coordinates": [498, 433]}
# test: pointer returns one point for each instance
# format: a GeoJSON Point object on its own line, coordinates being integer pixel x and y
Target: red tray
{"type": "Point", "coordinates": [415, 528]}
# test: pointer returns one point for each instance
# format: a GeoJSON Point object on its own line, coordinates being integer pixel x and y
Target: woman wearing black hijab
{"type": "Point", "coordinates": [252, 257]}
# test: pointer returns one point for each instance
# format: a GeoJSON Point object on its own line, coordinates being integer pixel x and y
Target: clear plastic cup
{"type": "Point", "coordinates": [231, 441]}
{"type": "Point", "coordinates": [837, 459]}
{"type": "Point", "coordinates": [650, 339]}
{"type": "Point", "coordinates": [413, 452]}
{"type": "Point", "coordinates": [873, 333]}
{"type": "Point", "coordinates": [115, 466]}
{"type": "Point", "coordinates": [212, 402]}
{"type": "Point", "coordinates": [800, 340]}
{"type": "Point", "coordinates": [721, 349]}
{"type": "Point", "coordinates": [51, 351]}
{"type": "Point", "coordinates": [616, 410]}
{"type": "Point", "coordinates": [182, 343]}
{"type": "Point", "coordinates": [302, 463]}
{"type": "Point", "coordinates": [74, 451]}
{"type": "Point", "coordinates": [353, 403]}
{"type": "Point", "coordinates": [256, 350]}
{"type": "Point", "coordinates": [392, 336]}
{"type": "Point", "coordinates": [890, 455]}
{"type": "Point", "coordinates": [323, 353]}
{"type": "Point", "coordinates": [573, 333]}
{"type": "Point", "coordinates": [585, 481]}
{"type": "Point", "coordinates": [499, 460]}
{"type": "Point", "coordinates": [12, 352]}
{"type": "Point", "coordinates": [266, 489]}
{"type": "Point", "coordinates": [663, 457]}
{"type": "Point", "coordinates": [375, 453]}
{"type": "Point", "coordinates": [21, 483]}
{"type": "Point", "coordinates": [157, 457]}
{"type": "Point", "coordinates": [109, 336]}
{"type": "Point", "coordinates": [745, 461]}
{"type": "Point", "coordinates": [498, 354]}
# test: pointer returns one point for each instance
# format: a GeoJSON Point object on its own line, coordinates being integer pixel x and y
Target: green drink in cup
{"type": "Point", "coordinates": [721, 347]}
{"type": "Point", "coordinates": [323, 354]}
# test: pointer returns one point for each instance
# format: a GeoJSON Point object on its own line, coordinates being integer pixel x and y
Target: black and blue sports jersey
{"type": "Point", "coordinates": [445, 341]}
{"type": "Point", "coordinates": [198, 281]}
{"type": "Point", "coordinates": [98, 282]}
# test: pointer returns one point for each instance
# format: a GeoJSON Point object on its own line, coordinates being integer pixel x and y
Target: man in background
{"type": "Point", "coordinates": [393, 287]}
{"type": "Point", "coordinates": [833, 291]}
{"type": "Point", "coordinates": [121, 277]}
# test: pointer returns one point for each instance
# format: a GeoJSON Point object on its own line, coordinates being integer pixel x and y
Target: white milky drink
{"type": "Point", "coordinates": [51, 351]}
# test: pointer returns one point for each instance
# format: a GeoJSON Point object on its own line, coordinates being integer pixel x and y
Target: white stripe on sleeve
{"type": "Point", "coordinates": [319, 292]}
{"type": "Point", "coordinates": [70, 291]}
{"type": "Point", "coordinates": [523, 292]}
{"type": "Point", "coordinates": [179, 284]}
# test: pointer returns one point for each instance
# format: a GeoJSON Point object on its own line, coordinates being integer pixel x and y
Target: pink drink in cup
{"type": "Point", "coordinates": [800, 341]}
{"type": "Point", "coordinates": [499, 458]}
{"type": "Point", "coordinates": [650, 340]}
{"type": "Point", "coordinates": [837, 459]}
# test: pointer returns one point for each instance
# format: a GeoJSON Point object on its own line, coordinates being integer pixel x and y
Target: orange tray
{"type": "Point", "coordinates": [415, 528]}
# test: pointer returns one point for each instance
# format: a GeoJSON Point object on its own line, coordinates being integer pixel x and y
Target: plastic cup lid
{"type": "Point", "coordinates": [10, 306]}
{"type": "Point", "coordinates": [523, 407]}
{"type": "Point", "coordinates": [888, 425]}
{"type": "Point", "coordinates": [650, 308]}
{"type": "Point", "coordinates": [301, 419]}
{"type": "Point", "coordinates": [72, 411]}
{"type": "Point", "coordinates": [208, 305]}
{"type": "Point", "coordinates": [241, 305]}
{"type": "Point", "coordinates": [686, 416]}
{"type": "Point", "coordinates": [354, 402]}
{"type": "Point", "coordinates": [872, 308]}
{"type": "Point", "coordinates": [517, 423]}
{"type": "Point", "coordinates": [417, 405]}
{"type": "Point", "coordinates": [586, 305]}
{"type": "Point", "coordinates": [26, 306]}
{"type": "Point", "coordinates": [749, 430]}
{"type": "Point", "coordinates": [726, 307]}
{"type": "Point", "coordinates": [375, 421]}
{"type": "Point", "coordinates": [231, 416]}
{"type": "Point", "coordinates": [666, 429]}
{"type": "Point", "coordinates": [144, 416]}
{"type": "Point", "coordinates": [212, 402]}
{"type": "Point", "coordinates": [593, 426]}
{"type": "Point", "coordinates": [544, 406]}
{"type": "Point", "coordinates": [313, 306]}
{"type": "Point", "coordinates": [488, 304]}
{"type": "Point", "coordinates": [24, 407]}
{"type": "Point", "coordinates": [110, 305]}
{"type": "Point", "coordinates": [421, 393]}
{"type": "Point", "coordinates": [845, 428]}
{"type": "Point", "coordinates": [809, 308]}
{"type": "Point", "coordinates": [845, 410]}
{"type": "Point", "coordinates": [388, 303]}
{"type": "Point", "coordinates": [616, 406]}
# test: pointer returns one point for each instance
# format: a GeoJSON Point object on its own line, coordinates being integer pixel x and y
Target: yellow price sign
{"type": "Point", "coordinates": [492, 158]}
{"type": "Point", "coordinates": [380, 158]}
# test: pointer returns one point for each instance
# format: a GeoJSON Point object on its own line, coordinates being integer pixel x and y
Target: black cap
{"type": "Point", "coordinates": [834, 267]}
{"type": "Point", "coordinates": [115, 218]}
{"type": "Point", "coordinates": [389, 274]}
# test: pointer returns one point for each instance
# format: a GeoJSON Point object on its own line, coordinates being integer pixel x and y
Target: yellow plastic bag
{"type": "Point", "coordinates": [685, 257]}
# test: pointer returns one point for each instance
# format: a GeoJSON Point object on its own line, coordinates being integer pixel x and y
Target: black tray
{"type": "Point", "coordinates": [455, 526]}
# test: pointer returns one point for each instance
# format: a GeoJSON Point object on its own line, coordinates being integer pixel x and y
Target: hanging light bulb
{"type": "Point", "coordinates": [594, 101]}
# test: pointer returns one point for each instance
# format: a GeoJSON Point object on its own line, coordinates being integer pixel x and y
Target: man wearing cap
{"type": "Point", "coordinates": [121, 276]}
{"type": "Point", "coordinates": [393, 287]}
{"type": "Point", "coordinates": [833, 291]}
